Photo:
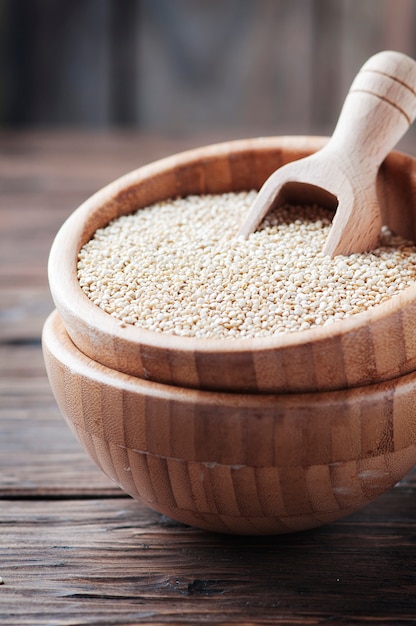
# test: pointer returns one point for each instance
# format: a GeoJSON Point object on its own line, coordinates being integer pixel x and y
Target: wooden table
{"type": "Point", "coordinates": [73, 548]}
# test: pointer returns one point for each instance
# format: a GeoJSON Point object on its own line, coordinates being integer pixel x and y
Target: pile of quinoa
{"type": "Point", "coordinates": [178, 267]}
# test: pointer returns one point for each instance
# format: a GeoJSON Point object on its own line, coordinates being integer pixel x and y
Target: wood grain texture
{"type": "Point", "coordinates": [110, 561]}
{"type": "Point", "coordinates": [238, 463]}
{"type": "Point", "coordinates": [69, 553]}
{"type": "Point", "coordinates": [375, 345]}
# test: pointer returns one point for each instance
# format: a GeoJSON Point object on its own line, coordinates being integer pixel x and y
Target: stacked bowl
{"type": "Point", "coordinates": [258, 435]}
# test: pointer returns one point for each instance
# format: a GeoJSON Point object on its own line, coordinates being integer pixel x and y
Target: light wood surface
{"type": "Point", "coordinates": [74, 548]}
{"type": "Point", "coordinates": [376, 345]}
{"type": "Point", "coordinates": [378, 110]}
{"type": "Point", "coordinates": [246, 464]}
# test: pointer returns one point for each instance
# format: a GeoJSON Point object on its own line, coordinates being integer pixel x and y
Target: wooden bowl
{"type": "Point", "coordinates": [372, 346]}
{"type": "Point", "coordinates": [236, 463]}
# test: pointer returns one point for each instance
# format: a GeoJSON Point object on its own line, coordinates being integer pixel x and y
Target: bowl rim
{"type": "Point", "coordinates": [73, 303]}
{"type": "Point", "coordinates": [57, 342]}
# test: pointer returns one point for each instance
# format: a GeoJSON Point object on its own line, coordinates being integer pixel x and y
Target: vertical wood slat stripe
{"type": "Point", "coordinates": [122, 470]}
{"type": "Point", "coordinates": [141, 477]}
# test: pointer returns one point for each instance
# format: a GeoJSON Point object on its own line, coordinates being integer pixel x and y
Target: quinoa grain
{"type": "Point", "coordinates": [177, 267]}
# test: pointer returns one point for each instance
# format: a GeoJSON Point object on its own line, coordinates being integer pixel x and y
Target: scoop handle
{"type": "Point", "coordinates": [378, 110]}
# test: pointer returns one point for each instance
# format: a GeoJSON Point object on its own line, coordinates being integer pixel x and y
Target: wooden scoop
{"type": "Point", "coordinates": [379, 108]}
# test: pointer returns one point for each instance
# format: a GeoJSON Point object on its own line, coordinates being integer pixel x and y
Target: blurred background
{"type": "Point", "coordinates": [174, 67]}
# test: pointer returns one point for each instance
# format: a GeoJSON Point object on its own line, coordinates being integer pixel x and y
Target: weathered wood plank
{"type": "Point", "coordinates": [23, 312]}
{"type": "Point", "coordinates": [113, 561]}
{"type": "Point", "coordinates": [39, 457]}
{"type": "Point", "coordinates": [38, 453]}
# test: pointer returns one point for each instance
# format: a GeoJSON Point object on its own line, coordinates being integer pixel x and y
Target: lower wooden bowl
{"type": "Point", "coordinates": [236, 463]}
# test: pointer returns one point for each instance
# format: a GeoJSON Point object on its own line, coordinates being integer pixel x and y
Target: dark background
{"type": "Point", "coordinates": [239, 67]}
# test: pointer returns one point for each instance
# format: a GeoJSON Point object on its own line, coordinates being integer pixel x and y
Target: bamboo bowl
{"type": "Point", "coordinates": [236, 463]}
{"type": "Point", "coordinates": [370, 347]}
